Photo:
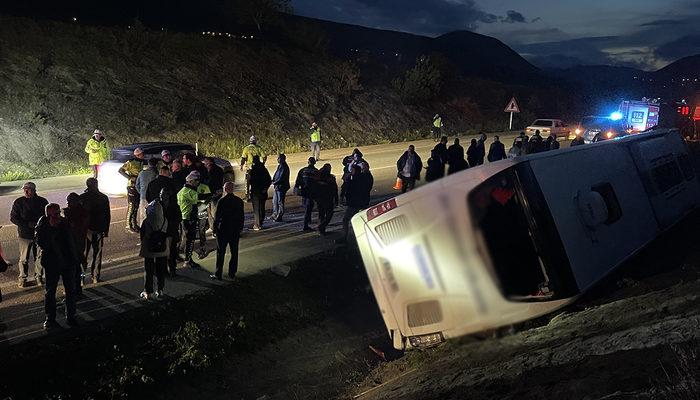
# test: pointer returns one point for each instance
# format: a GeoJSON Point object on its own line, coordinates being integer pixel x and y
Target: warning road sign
{"type": "Point", "coordinates": [512, 106]}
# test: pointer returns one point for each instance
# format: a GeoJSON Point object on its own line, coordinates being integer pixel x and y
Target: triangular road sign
{"type": "Point", "coordinates": [512, 106]}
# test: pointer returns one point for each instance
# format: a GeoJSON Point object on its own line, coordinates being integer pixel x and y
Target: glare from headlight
{"type": "Point", "coordinates": [609, 135]}
{"type": "Point", "coordinates": [578, 131]}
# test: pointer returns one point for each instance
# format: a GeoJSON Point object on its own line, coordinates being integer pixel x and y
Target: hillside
{"type": "Point", "coordinates": [59, 81]}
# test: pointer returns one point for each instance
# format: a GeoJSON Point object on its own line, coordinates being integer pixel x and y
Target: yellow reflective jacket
{"type": "Point", "coordinates": [97, 151]}
{"type": "Point", "coordinates": [187, 198]}
{"type": "Point", "coordinates": [132, 168]}
{"type": "Point", "coordinates": [315, 135]}
{"type": "Point", "coordinates": [252, 150]}
{"type": "Point", "coordinates": [437, 122]}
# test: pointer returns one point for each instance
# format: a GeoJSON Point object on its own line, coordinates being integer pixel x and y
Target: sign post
{"type": "Point", "coordinates": [511, 108]}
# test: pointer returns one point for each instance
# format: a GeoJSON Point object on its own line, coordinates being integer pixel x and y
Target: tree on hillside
{"type": "Point", "coordinates": [260, 13]}
{"type": "Point", "coordinates": [422, 82]}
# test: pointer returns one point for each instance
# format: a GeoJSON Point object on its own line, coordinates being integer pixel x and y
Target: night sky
{"type": "Point", "coordinates": [646, 34]}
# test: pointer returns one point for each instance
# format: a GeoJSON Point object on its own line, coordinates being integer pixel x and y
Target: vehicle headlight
{"type": "Point", "coordinates": [609, 135]}
{"type": "Point", "coordinates": [578, 131]}
{"type": "Point", "coordinates": [428, 340]}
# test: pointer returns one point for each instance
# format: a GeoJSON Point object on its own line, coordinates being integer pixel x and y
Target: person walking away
{"type": "Point", "coordinates": [178, 174]}
{"type": "Point", "coordinates": [497, 150]}
{"type": "Point", "coordinates": [99, 214]}
{"type": "Point", "coordinates": [536, 143]}
{"type": "Point", "coordinates": [437, 127]}
{"type": "Point", "coordinates": [260, 181]}
{"type": "Point", "coordinates": [96, 148]}
{"type": "Point", "coordinates": [78, 221]}
{"type": "Point", "coordinates": [305, 186]}
{"type": "Point", "coordinates": [315, 132]}
{"type": "Point", "coordinates": [481, 149]}
{"type": "Point", "coordinates": [578, 140]}
{"type": "Point", "coordinates": [358, 196]}
{"type": "Point", "coordinates": [435, 169]}
{"type": "Point", "coordinates": [145, 177]}
{"type": "Point", "coordinates": [130, 170]}
{"type": "Point", "coordinates": [455, 158]}
{"type": "Point", "coordinates": [216, 185]}
{"type": "Point", "coordinates": [25, 213]}
{"type": "Point", "coordinates": [251, 150]}
{"type": "Point", "coordinates": [409, 167]}
{"type": "Point", "coordinates": [228, 224]}
{"type": "Point", "coordinates": [58, 258]}
{"type": "Point", "coordinates": [280, 183]}
{"type": "Point", "coordinates": [187, 200]}
{"type": "Point", "coordinates": [172, 214]}
{"type": "Point", "coordinates": [552, 143]}
{"type": "Point", "coordinates": [154, 249]}
{"type": "Point", "coordinates": [473, 154]}
{"type": "Point", "coordinates": [326, 197]}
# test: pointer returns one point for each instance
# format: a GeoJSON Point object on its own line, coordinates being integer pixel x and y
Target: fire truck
{"type": "Point", "coordinates": [638, 116]}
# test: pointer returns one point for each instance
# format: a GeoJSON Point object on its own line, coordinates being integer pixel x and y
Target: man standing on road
{"type": "Point", "coordinates": [130, 170]}
{"type": "Point", "coordinates": [409, 168]}
{"type": "Point", "coordinates": [259, 184]}
{"type": "Point", "coordinates": [481, 149]}
{"type": "Point", "coordinates": [25, 213]}
{"type": "Point", "coordinates": [437, 126]}
{"type": "Point", "coordinates": [178, 174]}
{"type": "Point", "coordinates": [78, 220]}
{"type": "Point", "coordinates": [358, 196]}
{"type": "Point", "coordinates": [249, 152]}
{"type": "Point", "coordinates": [174, 218]}
{"type": "Point", "coordinates": [552, 143]}
{"type": "Point", "coordinates": [280, 182]}
{"type": "Point", "coordinates": [440, 150]}
{"type": "Point", "coordinates": [187, 200]}
{"type": "Point", "coordinates": [99, 214]}
{"type": "Point", "coordinates": [166, 159]}
{"type": "Point", "coordinates": [536, 143]}
{"type": "Point", "coordinates": [96, 148]}
{"type": "Point", "coordinates": [305, 186]}
{"type": "Point", "coordinates": [59, 257]}
{"type": "Point", "coordinates": [315, 132]}
{"type": "Point", "coordinates": [162, 181]}
{"type": "Point", "coordinates": [145, 177]}
{"type": "Point", "coordinates": [497, 151]}
{"type": "Point", "coordinates": [455, 158]}
{"type": "Point", "coordinates": [326, 197]}
{"type": "Point", "coordinates": [228, 224]}
{"type": "Point", "coordinates": [578, 140]}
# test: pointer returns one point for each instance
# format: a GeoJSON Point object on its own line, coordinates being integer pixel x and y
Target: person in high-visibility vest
{"type": "Point", "coordinates": [250, 151]}
{"type": "Point", "coordinates": [315, 141]}
{"type": "Point", "coordinates": [437, 127]}
{"type": "Point", "coordinates": [96, 148]}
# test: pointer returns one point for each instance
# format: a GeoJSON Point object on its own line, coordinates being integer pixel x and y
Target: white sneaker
{"type": "Point", "coordinates": [145, 295]}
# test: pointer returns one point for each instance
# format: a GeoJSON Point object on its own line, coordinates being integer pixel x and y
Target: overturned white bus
{"type": "Point", "coordinates": [519, 238]}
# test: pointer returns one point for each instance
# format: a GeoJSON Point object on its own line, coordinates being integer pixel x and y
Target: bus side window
{"type": "Point", "coordinates": [608, 193]}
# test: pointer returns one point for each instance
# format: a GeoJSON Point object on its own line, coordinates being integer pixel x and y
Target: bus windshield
{"type": "Point", "coordinates": [524, 248]}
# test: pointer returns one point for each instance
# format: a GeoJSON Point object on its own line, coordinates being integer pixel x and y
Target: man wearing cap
{"type": "Point", "coordinates": [188, 198]}
{"type": "Point", "coordinates": [166, 159]}
{"type": "Point", "coordinates": [130, 170]}
{"type": "Point", "coordinates": [315, 133]}
{"type": "Point", "coordinates": [25, 213]}
{"type": "Point", "coordinates": [97, 151]}
{"type": "Point", "coordinates": [249, 152]}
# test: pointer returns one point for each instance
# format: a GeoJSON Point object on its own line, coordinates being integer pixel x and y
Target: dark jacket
{"type": "Point", "coordinates": [497, 151]}
{"type": "Point", "coordinates": [161, 182]}
{"type": "Point", "coordinates": [57, 245]}
{"type": "Point", "coordinates": [417, 167]}
{"type": "Point", "coordinates": [178, 178]}
{"type": "Point", "coordinates": [535, 145]}
{"type": "Point", "coordinates": [455, 158]}
{"type": "Point", "coordinates": [327, 190]}
{"type": "Point", "coordinates": [480, 152]}
{"type": "Point", "coordinates": [473, 155]}
{"type": "Point", "coordinates": [578, 140]}
{"type": "Point", "coordinates": [358, 190]}
{"type": "Point", "coordinates": [173, 215]}
{"type": "Point", "coordinates": [552, 143]}
{"type": "Point", "coordinates": [305, 184]}
{"type": "Point", "coordinates": [78, 220]}
{"type": "Point", "coordinates": [280, 179]}
{"type": "Point", "coordinates": [436, 169]}
{"type": "Point", "coordinates": [228, 220]}
{"type": "Point", "coordinates": [440, 150]}
{"type": "Point", "coordinates": [25, 214]}
{"type": "Point", "coordinates": [260, 181]}
{"type": "Point", "coordinates": [97, 205]}
{"type": "Point", "coordinates": [216, 179]}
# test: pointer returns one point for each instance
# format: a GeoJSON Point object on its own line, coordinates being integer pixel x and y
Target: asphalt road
{"type": "Point", "coordinates": [21, 312]}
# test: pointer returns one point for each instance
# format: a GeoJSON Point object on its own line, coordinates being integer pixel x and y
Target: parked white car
{"type": "Point", "coordinates": [545, 126]}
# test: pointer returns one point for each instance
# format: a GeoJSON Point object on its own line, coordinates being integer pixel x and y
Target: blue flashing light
{"type": "Point", "coordinates": [616, 116]}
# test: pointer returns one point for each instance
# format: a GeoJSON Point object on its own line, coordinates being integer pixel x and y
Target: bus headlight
{"type": "Point", "coordinates": [429, 340]}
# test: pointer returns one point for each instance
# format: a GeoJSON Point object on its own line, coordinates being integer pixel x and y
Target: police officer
{"type": "Point", "coordinates": [96, 148]}
{"type": "Point", "coordinates": [130, 170]}
{"type": "Point", "coordinates": [315, 132]}
{"type": "Point", "coordinates": [188, 199]}
{"type": "Point", "coordinates": [59, 259]}
{"type": "Point", "coordinates": [437, 126]}
{"type": "Point", "coordinates": [304, 186]}
{"type": "Point", "coordinates": [25, 213]}
{"type": "Point", "coordinates": [251, 150]}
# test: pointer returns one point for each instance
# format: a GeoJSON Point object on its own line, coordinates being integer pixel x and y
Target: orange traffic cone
{"type": "Point", "coordinates": [399, 184]}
